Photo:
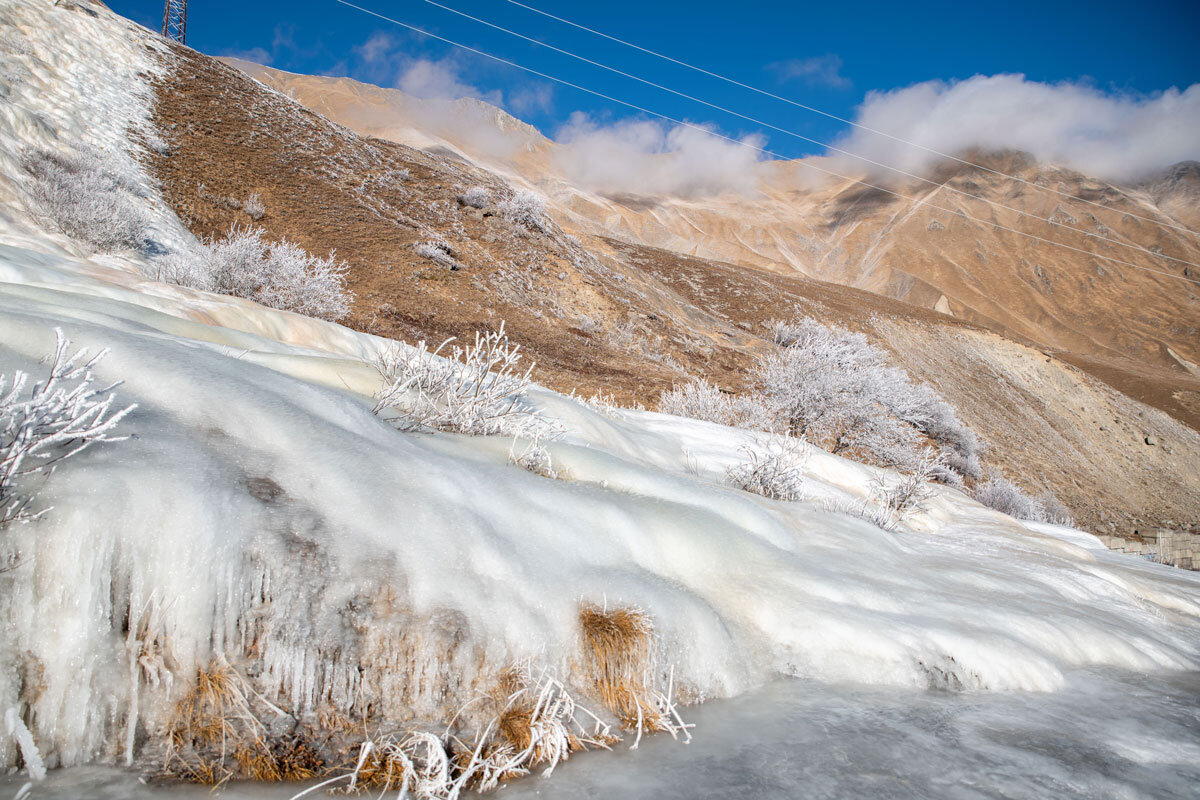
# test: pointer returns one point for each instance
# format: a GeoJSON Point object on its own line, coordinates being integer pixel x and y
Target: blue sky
{"type": "Point", "coordinates": [828, 56]}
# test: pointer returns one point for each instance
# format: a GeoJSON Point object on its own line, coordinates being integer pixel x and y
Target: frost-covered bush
{"type": "Point", "coordinates": [701, 400]}
{"type": "Point", "coordinates": [532, 455]}
{"type": "Point", "coordinates": [922, 407]}
{"type": "Point", "coordinates": [47, 422]}
{"type": "Point", "coordinates": [1005, 496]}
{"type": "Point", "coordinates": [525, 209]}
{"type": "Point", "coordinates": [477, 389]}
{"type": "Point", "coordinates": [1054, 510]}
{"type": "Point", "coordinates": [832, 387]}
{"type": "Point", "coordinates": [279, 274]}
{"type": "Point", "coordinates": [773, 468]}
{"type": "Point", "coordinates": [828, 387]}
{"type": "Point", "coordinates": [892, 501]}
{"type": "Point", "coordinates": [477, 197]}
{"type": "Point", "coordinates": [253, 206]}
{"type": "Point", "coordinates": [87, 197]}
{"type": "Point", "coordinates": [698, 399]}
{"type": "Point", "coordinates": [439, 252]}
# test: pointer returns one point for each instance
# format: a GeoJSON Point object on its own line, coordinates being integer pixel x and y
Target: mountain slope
{"type": "Point", "coordinates": [799, 220]}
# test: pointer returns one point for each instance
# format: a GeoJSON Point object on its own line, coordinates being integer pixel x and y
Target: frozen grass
{"type": "Point", "coordinates": [279, 274]}
{"type": "Point", "coordinates": [619, 666]}
{"type": "Point", "coordinates": [43, 424]}
{"type": "Point", "coordinates": [535, 722]}
{"type": "Point", "coordinates": [87, 197]}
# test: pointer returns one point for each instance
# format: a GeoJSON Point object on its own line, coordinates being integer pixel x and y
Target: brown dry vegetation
{"type": "Point", "coordinates": [630, 320]}
{"type": "Point", "coordinates": [618, 663]}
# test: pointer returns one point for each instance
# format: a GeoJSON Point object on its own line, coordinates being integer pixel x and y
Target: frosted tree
{"type": "Point", "coordinates": [44, 423]}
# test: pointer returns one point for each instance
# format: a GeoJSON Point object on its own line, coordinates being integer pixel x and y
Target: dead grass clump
{"type": "Point", "coordinates": [215, 736]}
{"type": "Point", "coordinates": [619, 665]}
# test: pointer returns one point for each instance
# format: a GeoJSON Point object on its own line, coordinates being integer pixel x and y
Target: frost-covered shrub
{"type": "Point", "coordinates": [828, 387]}
{"type": "Point", "coordinates": [1008, 498]}
{"type": "Point", "coordinates": [478, 389]}
{"type": "Point", "coordinates": [773, 468]}
{"type": "Point", "coordinates": [439, 252]}
{"type": "Point", "coordinates": [253, 206]}
{"type": "Point", "coordinates": [922, 407]}
{"type": "Point", "coordinates": [893, 501]}
{"type": "Point", "coordinates": [477, 197]}
{"type": "Point", "coordinates": [279, 274]}
{"type": "Point", "coordinates": [1054, 510]}
{"type": "Point", "coordinates": [532, 455]}
{"type": "Point", "coordinates": [47, 422]}
{"type": "Point", "coordinates": [525, 209]}
{"type": "Point", "coordinates": [834, 388]}
{"type": "Point", "coordinates": [87, 197]}
{"type": "Point", "coordinates": [698, 399]}
{"type": "Point", "coordinates": [701, 400]}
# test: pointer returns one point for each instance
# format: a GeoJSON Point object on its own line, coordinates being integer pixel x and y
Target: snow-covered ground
{"type": "Point", "coordinates": [262, 498]}
{"type": "Point", "coordinates": [263, 513]}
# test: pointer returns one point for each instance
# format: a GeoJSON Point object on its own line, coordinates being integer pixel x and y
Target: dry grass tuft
{"type": "Point", "coordinates": [618, 659]}
{"type": "Point", "coordinates": [619, 665]}
{"type": "Point", "coordinates": [215, 736]}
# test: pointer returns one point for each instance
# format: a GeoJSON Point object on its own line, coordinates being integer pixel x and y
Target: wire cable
{"type": "Point", "coordinates": [762, 150]}
{"type": "Point", "coordinates": [835, 117]}
{"type": "Point", "coordinates": [787, 132]}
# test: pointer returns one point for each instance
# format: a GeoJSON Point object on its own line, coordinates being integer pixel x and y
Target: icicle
{"type": "Point", "coordinates": [29, 752]}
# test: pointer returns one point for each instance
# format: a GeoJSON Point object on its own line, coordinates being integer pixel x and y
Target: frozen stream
{"type": "Point", "coordinates": [1107, 735]}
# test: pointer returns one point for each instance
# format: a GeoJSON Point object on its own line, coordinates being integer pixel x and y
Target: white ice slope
{"type": "Point", "coordinates": [265, 513]}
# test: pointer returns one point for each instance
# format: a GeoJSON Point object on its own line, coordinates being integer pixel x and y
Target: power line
{"type": "Point", "coordinates": [722, 109]}
{"type": "Point", "coordinates": [858, 125]}
{"type": "Point", "coordinates": [762, 150]}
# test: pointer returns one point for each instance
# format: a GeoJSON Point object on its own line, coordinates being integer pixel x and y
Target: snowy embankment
{"type": "Point", "coordinates": [357, 577]}
{"type": "Point", "coordinates": [265, 514]}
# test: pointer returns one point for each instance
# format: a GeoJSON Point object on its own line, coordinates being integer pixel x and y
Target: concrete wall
{"type": "Point", "coordinates": [1177, 548]}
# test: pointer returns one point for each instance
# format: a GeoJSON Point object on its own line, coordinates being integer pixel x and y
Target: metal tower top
{"type": "Point", "coordinates": [175, 20]}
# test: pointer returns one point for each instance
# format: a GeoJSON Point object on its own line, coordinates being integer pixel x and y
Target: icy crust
{"type": "Point", "coordinates": [264, 514]}
{"type": "Point", "coordinates": [73, 77]}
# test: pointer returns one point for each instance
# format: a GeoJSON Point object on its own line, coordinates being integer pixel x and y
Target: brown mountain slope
{"type": "Point", "coordinates": [631, 320]}
{"type": "Point", "coordinates": [841, 231]}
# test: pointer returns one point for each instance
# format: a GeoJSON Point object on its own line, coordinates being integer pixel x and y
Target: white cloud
{"type": "Point", "coordinates": [818, 71]}
{"type": "Point", "coordinates": [643, 157]}
{"type": "Point", "coordinates": [1113, 136]}
{"type": "Point", "coordinates": [377, 48]}
{"type": "Point", "coordinates": [531, 99]}
{"type": "Point", "coordinates": [436, 80]}
{"type": "Point", "coordinates": [256, 55]}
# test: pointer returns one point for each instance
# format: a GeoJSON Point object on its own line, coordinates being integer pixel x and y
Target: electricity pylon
{"type": "Point", "coordinates": [175, 20]}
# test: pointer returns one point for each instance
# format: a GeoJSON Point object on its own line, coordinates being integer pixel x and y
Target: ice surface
{"type": "Point", "coordinates": [262, 503]}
